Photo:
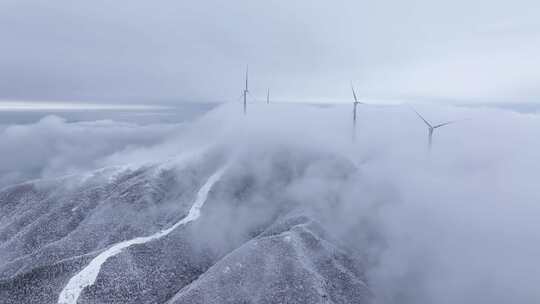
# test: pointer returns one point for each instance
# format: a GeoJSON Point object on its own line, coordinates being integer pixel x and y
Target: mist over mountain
{"type": "Point", "coordinates": [269, 152]}
{"type": "Point", "coordinates": [279, 206]}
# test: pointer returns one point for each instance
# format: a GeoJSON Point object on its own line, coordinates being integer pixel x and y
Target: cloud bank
{"type": "Point", "coordinates": [457, 225]}
{"type": "Point", "coordinates": [53, 147]}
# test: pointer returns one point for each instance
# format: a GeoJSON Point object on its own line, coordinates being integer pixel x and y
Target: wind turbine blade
{"type": "Point", "coordinates": [354, 93]}
{"type": "Point", "coordinates": [443, 124]}
{"type": "Point", "coordinates": [247, 76]}
{"type": "Point", "coordinates": [421, 117]}
{"type": "Point", "coordinates": [448, 122]}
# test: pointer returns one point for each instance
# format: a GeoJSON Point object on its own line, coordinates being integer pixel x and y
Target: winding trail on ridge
{"type": "Point", "coordinates": [87, 277]}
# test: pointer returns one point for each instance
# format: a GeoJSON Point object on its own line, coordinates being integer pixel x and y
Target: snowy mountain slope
{"type": "Point", "coordinates": [289, 263]}
{"type": "Point", "coordinates": [51, 224]}
{"type": "Point", "coordinates": [90, 213]}
{"type": "Point", "coordinates": [64, 220]}
{"type": "Point", "coordinates": [88, 275]}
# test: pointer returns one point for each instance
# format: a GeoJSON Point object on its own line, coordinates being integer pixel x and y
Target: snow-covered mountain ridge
{"type": "Point", "coordinates": [52, 230]}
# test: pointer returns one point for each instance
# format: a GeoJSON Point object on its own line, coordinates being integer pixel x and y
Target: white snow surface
{"type": "Point", "coordinates": [87, 277]}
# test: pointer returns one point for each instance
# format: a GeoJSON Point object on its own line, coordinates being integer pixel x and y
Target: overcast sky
{"type": "Point", "coordinates": [136, 51]}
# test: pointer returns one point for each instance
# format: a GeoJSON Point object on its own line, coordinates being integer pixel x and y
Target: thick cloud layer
{"type": "Point", "coordinates": [139, 51]}
{"type": "Point", "coordinates": [457, 225]}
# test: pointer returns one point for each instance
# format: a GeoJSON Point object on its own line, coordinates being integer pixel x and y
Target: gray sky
{"type": "Point", "coordinates": [171, 51]}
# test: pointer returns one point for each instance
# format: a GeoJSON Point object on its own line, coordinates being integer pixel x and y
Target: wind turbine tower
{"type": "Point", "coordinates": [431, 128]}
{"type": "Point", "coordinates": [268, 96]}
{"type": "Point", "coordinates": [246, 90]}
{"type": "Point", "coordinates": [355, 104]}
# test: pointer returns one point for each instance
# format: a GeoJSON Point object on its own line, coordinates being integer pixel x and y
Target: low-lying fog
{"type": "Point", "coordinates": [458, 224]}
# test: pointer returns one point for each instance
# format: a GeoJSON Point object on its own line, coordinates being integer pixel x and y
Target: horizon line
{"type": "Point", "coordinates": [10, 105]}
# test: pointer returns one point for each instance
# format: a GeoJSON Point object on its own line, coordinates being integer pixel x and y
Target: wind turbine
{"type": "Point", "coordinates": [432, 128]}
{"type": "Point", "coordinates": [246, 90]}
{"type": "Point", "coordinates": [355, 104]}
{"type": "Point", "coordinates": [268, 96]}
